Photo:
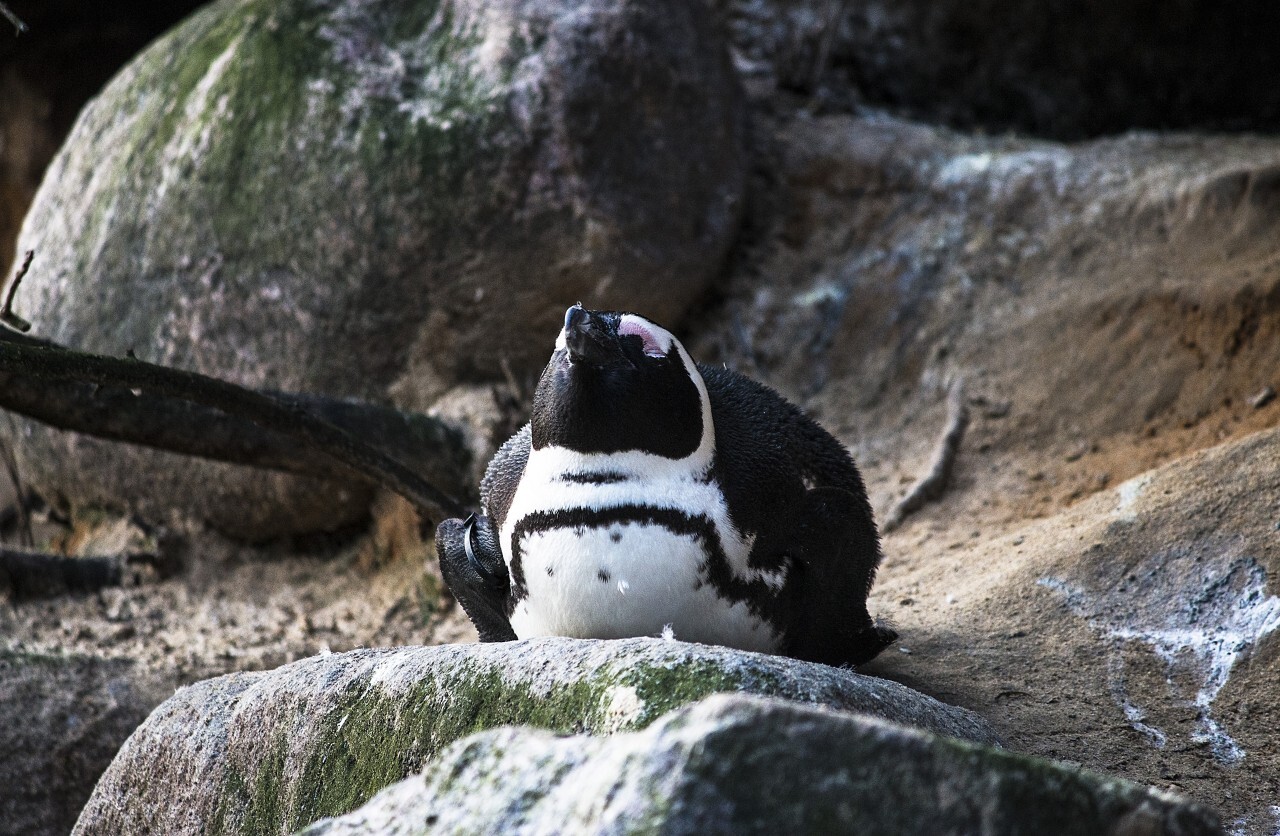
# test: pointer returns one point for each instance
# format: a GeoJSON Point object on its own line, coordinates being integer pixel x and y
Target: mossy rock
{"type": "Point", "coordinates": [267, 753]}
{"type": "Point", "coordinates": [375, 201]}
{"type": "Point", "coordinates": [747, 764]}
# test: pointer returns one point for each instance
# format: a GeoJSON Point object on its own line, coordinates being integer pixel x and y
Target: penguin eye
{"type": "Point", "coordinates": [649, 343]}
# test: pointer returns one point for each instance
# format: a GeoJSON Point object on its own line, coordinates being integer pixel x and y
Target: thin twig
{"type": "Point", "coordinates": [934, 483]}
{"type": "Point", "coordinates": [7, 316]}
{"type": "Point", "coordinates": [268, 412]}
{"type": "Point", "coordinates": [13, 18]}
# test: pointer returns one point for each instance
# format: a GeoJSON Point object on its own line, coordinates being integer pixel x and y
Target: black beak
{"type": "Point", "coordinates": [586, 338]}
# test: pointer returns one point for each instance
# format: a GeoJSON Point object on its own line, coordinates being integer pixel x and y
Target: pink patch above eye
{"type": "Point", "coordinates": [650, 346]}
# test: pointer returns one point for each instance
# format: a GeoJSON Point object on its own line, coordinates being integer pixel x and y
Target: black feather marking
{"type": "Point", "coordinates": [760, 598]}
{"type": "Point", "coordinates": [604, 477]}
{"type": "Point", "coordinates": [502, 476]}
{"type": "Point", "coordinates": [604, 394]}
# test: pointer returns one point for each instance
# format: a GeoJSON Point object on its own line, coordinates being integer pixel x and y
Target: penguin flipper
{"type": "Point", "coordinates": [476, 574]}
{"type": "Point", "coordinates": [834, 552]}
{"type": "Point", "coordinates": [502, 476]}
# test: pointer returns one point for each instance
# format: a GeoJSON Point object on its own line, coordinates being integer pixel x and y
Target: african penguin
{"type": "Point", "coordinates": [648, 492]}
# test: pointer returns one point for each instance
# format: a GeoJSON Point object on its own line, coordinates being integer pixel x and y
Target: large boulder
{"type": "Point", "coordinates": [66, 54]}
{"type": "Point", "coordinates": [272, 752]}
{"type": "Point", "coordinates": [62, 720]}
{"type": "Point", "coordinates": [328, 196]}
{"type": "Point", "coordinates": [744, 764]}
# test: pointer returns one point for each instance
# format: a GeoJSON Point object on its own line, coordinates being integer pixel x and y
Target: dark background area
{"type": "Point", "coordinates": [1061, 69]}
{"type": "Point", "coordinates": [48, 73]}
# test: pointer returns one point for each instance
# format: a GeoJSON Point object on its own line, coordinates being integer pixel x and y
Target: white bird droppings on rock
{"type": "Point", "coordinates": [1201, 640]}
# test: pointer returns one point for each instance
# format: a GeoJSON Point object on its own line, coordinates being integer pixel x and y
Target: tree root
{"type": "Point", "coordinates": [934, 483]}
{"type": "Point", "coordinates": [131, 400]}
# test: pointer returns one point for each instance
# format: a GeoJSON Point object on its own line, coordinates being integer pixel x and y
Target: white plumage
{"type": "Point", "coordinates": [628, 577]}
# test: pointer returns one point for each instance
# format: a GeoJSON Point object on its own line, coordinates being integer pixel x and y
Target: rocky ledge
{"type": "Point", "coordinates": [746, 764]}
{"type": "Point", "coordinates": [274, 751]}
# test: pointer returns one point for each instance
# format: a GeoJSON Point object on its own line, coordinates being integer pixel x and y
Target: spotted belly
{"type": "Point", "coordinates": [629, 572]}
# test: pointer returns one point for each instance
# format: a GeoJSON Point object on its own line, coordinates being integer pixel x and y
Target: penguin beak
{"type": "Point", "coordinates": [586, 339]}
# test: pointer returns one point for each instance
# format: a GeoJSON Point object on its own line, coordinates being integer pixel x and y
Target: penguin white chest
{"type": "Point", "coordinates": [615, 553]}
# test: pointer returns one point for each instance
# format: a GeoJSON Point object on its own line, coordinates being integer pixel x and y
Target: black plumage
{"type": "Point", "coordinates": [791, 490]}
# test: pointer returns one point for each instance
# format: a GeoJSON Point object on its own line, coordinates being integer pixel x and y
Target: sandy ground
{"type": "Point", "coordinates": [232, 608]}
{"type": "Point", "coordinates": [976, 628]}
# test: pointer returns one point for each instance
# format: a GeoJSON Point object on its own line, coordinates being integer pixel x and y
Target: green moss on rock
{"type": "Point", "coordinates": [746, 764]}
{"type": "Point", "coordinates": [328, 196]}
{"type": "Point", "coordinates": [321, 736]}
{"type": "Point", "coordinates": [367, 738]}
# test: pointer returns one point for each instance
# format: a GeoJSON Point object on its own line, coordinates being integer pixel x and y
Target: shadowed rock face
{"type": "Point", "coordinates": [1056, 69]}
{"type": "Point", "coordinates": [62, 718]}
{"type": "Point", "coordinates": [272, 752]}
{"type": "Point", "coordinates": [739, 764]}
{"type": "Point", "coordinates": [325, 197]}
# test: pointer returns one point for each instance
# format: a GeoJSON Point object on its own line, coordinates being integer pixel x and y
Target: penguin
{"type": "Point", "coordinates": [651, 495]}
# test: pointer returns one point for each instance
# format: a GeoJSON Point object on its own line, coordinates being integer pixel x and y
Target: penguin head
{"type": "Point", "coordinates": [619, 382]}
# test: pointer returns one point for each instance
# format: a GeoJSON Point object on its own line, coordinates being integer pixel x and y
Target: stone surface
{"type": "Point", "coordinates": [1049, 68]}
{"type": "Point", "coordinates": [1149, 610]}
{"type": "Point", "coordinates": [739, 764]}
{"type": "Point", "coordinates": [336, 197]}
{"type": "Point", "coordinates": [1099, 289]}
{"type": "Point", "coordinates": [272, 752]}
{"type": "Point", "coordinates": [62, 719]}
{"type": "Point", "coordinates": [1109, 306]}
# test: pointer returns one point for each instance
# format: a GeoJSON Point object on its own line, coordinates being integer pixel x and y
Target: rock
{"type": "Point", "coordinates": [9, 512]}
{"type": "Point", "coordinates": [1123, 295]}
{"type": "Point", "coordinates": [1182, 602]}
{"type": "Point", "coordinates": [907, 255]}
{"type": "Point", "coordinates": [1137, 631]}
{"type": "Point", "coordinates": [322, 196]}
{"type": "Point", "coordinates": [272, 752]}
{"type": "Point", "coordinates": [62, 719]}
{"type": "Point", "coordinates": [745, 764]}
{"type": "Point", "coordinates": [1052, 69]}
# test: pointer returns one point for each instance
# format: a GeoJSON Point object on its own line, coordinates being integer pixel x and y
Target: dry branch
{"type": "Point", "coordinates": [27, 575]}
{"type": "Point", "coordinates": [7, 316]}
{"type": "Point", "coordinates": [35, 369]}
{"type": "Point", "coordinates": [434, 450]}
{"type": "Point", "coordinates": [934, 483]}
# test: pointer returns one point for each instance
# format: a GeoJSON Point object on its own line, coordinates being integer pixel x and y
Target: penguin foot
{"type": "Point", "coordinates": [867, 644]}
{"type": "Point", "coordinates": [476, 574]}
